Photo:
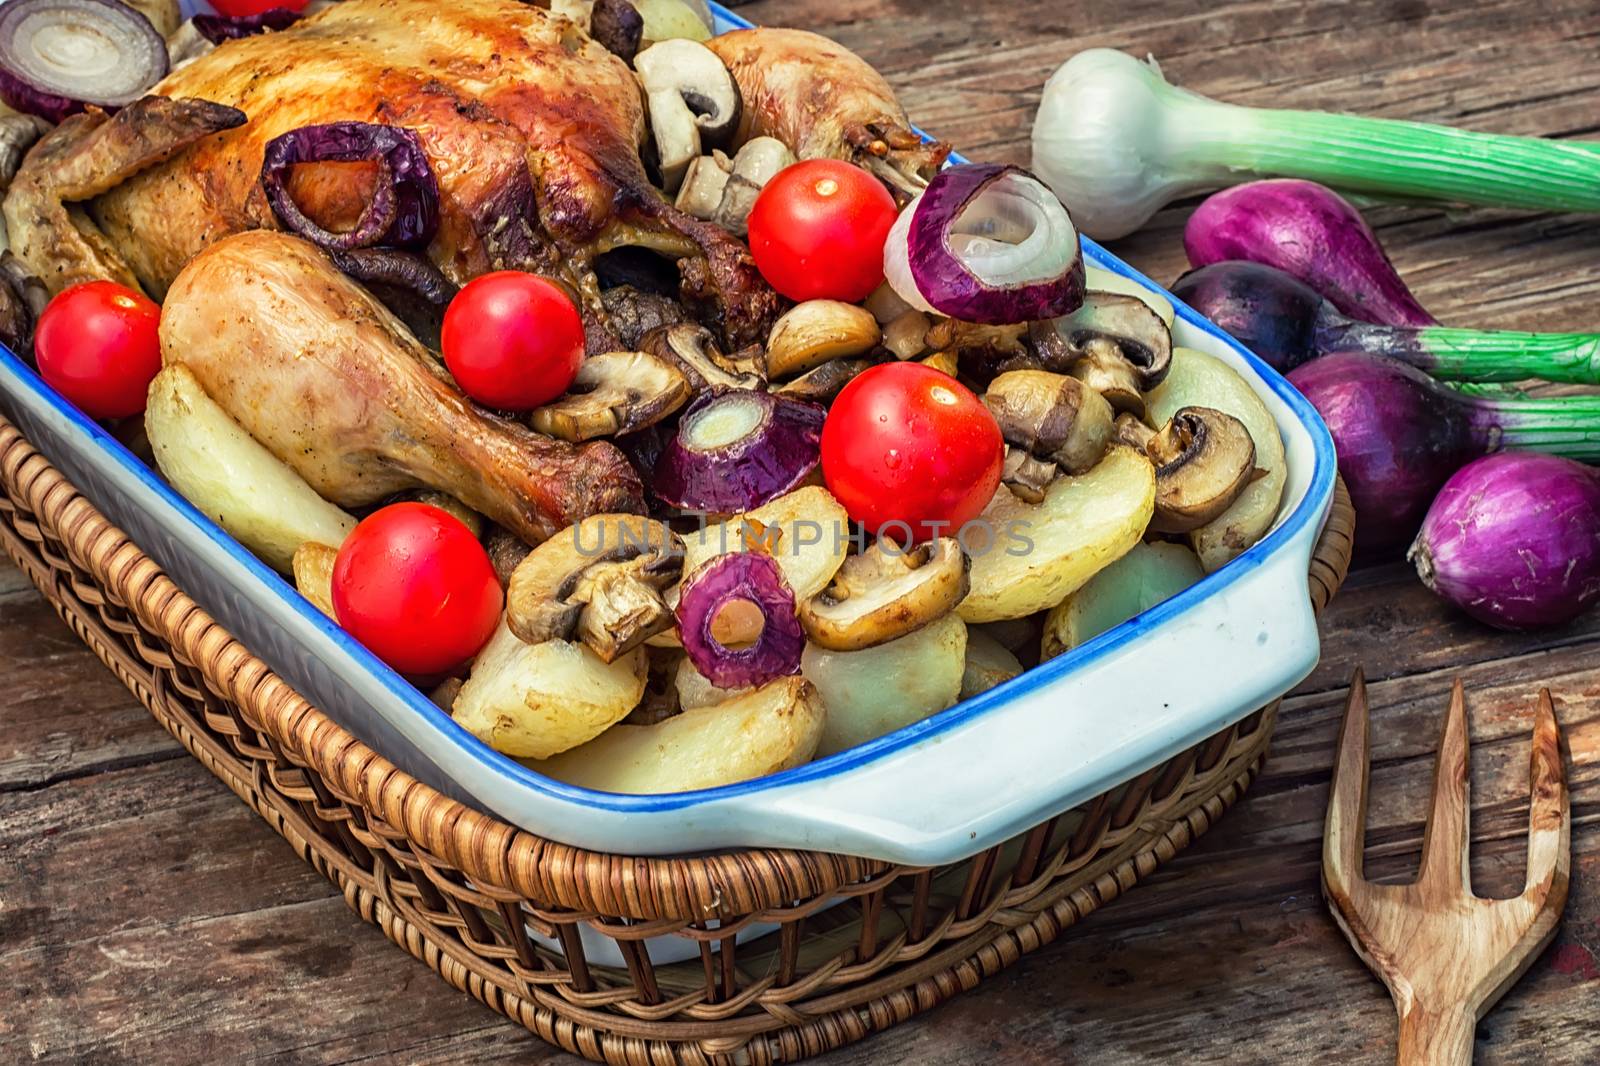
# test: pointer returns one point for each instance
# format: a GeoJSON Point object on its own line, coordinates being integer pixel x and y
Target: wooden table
{"type": "Point", "coordinates": [146, 916]}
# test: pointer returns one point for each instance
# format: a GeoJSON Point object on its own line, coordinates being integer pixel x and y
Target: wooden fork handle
{"type": "Point", "coordinates": [1436, 1038]}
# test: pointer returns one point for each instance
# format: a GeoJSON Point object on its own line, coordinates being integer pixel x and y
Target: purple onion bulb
{"type": "Point", "coordinates": [1514, 540]}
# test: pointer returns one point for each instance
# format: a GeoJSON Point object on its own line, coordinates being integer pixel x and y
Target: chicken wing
{"type": "Point", "coordinates": [319, 372]}
{"type": "Point", "coordinates": [825, 102]}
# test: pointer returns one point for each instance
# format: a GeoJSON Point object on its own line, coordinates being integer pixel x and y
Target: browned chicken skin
{"type": "Point", "coordinates": [825, 102]}
{"type": "Point", "coordinates": [532, 129]}
{"type": "Point", "coordinates": [319, 372]}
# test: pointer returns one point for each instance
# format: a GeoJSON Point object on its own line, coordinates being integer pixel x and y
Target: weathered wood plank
{"type": "Point", "coordinates": [146, 915]}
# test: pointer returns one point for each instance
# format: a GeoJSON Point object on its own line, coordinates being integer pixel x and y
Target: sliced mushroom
{"type": "Point", "coordinates": [614, 393]}
{"type": "Point", "coordinates": [724, 190]}
{"type": "Point", "coordinates": [599, 581]}
{"type": "Point", "coordinates": [693, 350]}
{"type": "Point", "coordinates": [822, 384]}
{"type": "Point", "coordinates": [1113, 377]}
{"type": "Point", "coordinates": [1026, 476]}
{"type": "Point", "coordinates": [704, 183]}
{"type": "Point", "coordinates": [692, 100]}
{"type": "Point", "coordinates": [884, 593]}
{"type": "Point", "coordinates": [1125, 325]}
{"type": "Point", "coordinates": [811, 333]}
{"type": "Point", "coordinates": [1132, 431]}
{"type": "Point", "coordinates": [906, 335]}
{"type": "Point", "coordinates": [1204, 459]}
{"type": "Point", "coordinates": [943, 362]}
{"type": "Point", "coordinates": [1115, 344]}
{"type": "Point", "coordinates": [760, 158]}
{"type": "Point", "coordinates": [1052, 416]}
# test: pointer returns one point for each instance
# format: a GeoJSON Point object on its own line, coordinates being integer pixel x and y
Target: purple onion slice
{"type": "Point", "coordinates": [737, 449]}
{"type": "Point", "coordinates": [404, 211]}
{"type": "Point", "coordinates": [753, 578]}
{"type": "Point", "coordinates": [219, 28]}
{"type": "Point", "coordinates": [56, 56]}
{"type": "Point", "coordinates": [986, 243]}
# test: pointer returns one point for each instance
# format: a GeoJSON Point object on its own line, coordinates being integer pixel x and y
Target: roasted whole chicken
{"type": "Point", "coordinates": [533, 130]}
{"type": "Point", "coordinates": [541, 145]}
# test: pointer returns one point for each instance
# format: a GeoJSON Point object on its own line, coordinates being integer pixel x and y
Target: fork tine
{"type": "Point", "coordinates": [1549, 810]}
{"type": "Point", "coordinates": [1447, 839]}
{"type": "Point", "coordinates": [1344, 835]}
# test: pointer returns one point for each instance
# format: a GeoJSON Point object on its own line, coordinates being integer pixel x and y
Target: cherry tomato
{"type": "Point", "coordinates": [817, 231]}
{"type": "Point", "coordinates": [413, 584]}
{"type": "Point", "coordinates": [98, 345]}
{"type": "Point", "coordinates": [240, 8]}
{"type": "Point", "coordinates": [512, 340]}
{"type": "Point", "coordinates": [908, 448]}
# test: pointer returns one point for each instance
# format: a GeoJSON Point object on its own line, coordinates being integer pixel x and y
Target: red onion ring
{"type": "Point", "coordinates": [219, 28]}
{"type": "Point", "coordinates": [737, 449]}
{"type": "Point", "coordinates": [58, 55]}
{"type": "Point", "coordinates": [755, 578]}
{"type": "Point", "coordinates": [404, 210]}
{"type": "Point", "coordinates": [989, 244]}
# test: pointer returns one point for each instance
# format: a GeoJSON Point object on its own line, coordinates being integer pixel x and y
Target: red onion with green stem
{"type": "Point", "coordinates": [1287, 323]}
{"type": "Point", "coordinates": [1311, 233]}
{"type": "Point", "coordinates": [1514, 540]}
{"type": "Point", "coordinates": [1400, 435]}
{"type": "Point", "coordinates": [1116, 142]}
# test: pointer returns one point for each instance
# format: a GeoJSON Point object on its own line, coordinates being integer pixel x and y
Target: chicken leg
{"type": "Point", "coordinates": [330, 382]}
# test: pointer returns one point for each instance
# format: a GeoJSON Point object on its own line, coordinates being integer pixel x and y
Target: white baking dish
{"type": "Point", "coordinates": [933, 792]}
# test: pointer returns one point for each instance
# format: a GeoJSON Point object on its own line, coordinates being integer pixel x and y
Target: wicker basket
{"type": "Point", "coordinates": [855, 945]}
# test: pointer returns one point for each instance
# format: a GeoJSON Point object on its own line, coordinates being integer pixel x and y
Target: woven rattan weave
{"type": "Point", "coordinates": [847, 946]}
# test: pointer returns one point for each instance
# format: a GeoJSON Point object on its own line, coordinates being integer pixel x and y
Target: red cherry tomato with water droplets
{"type": "Point", "coordinates": [413, 585]}
{"type": "Point", "coordinates": [817, 231]}
{"type": "Point", "coordinates": [98, 345]}
{"type": "Point", "coordinates": [240, 8]}
{"type": "Point", "coordinates": [906, 446]}
{"type": "Point", "coordinates": [512, 340]}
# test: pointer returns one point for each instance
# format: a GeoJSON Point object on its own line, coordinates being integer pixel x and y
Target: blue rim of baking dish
{"type": "Point", "coordinates": [1309, 510]}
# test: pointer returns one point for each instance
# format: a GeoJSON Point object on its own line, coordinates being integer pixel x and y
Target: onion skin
{"type": "Point", "coordinates": [1514, 540]}
{"type": "Point", "coordinates": [1312, 233]}
{"type": "Point", "coordinates": [1399, 436]}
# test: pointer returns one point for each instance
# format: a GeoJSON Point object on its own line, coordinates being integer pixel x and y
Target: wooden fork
{"type": "Point", "coordinates": [1446, 955]}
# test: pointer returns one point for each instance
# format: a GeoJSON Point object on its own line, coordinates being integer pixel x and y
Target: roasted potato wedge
{"type": "Point", "coordinates": [536, 700]}
{"type": "Point", "coordinates": [223, 471]}
{"type": "Point", "coordinates": [988, 663]}
{"type": "Point", "coordinates": [1146, 576]}
{"type": "Point", "coordinates": [1098, 280]}
{"type": "Point", "coordinates": [313, 574]}
{"type": "Point", "coordinates": [1041, 553]}
{"type": "Point", "coordinates": [696, 690]}
{"type": "Point", "coordinates": [877, 690]}
{"type": "Point", "coordinates": [807, 532]}
{"type": "Point", "coordinates": [1201, 380]}
{"type": "Point", "coordinates": [767, 729]}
